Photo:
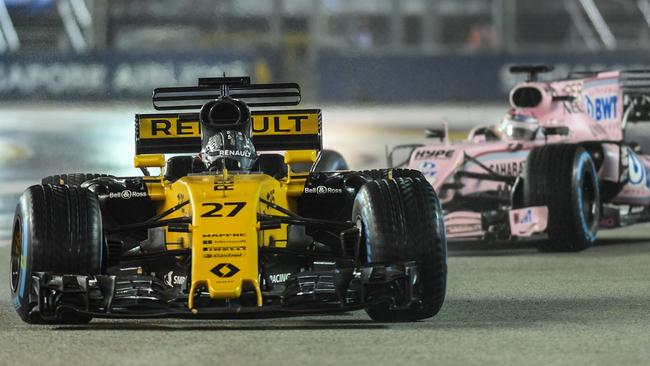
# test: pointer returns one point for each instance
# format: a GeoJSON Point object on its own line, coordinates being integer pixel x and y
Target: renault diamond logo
{"type": "Point", "coordinates": [224, 270]}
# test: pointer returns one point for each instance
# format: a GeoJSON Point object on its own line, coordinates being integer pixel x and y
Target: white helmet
{"type": "Point", "coordinates": [519, 127]}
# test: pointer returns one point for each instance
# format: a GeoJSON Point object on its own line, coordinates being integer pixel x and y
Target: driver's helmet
{"type": "Point", "coordinates": [229, 149]}
{"type": "Point", "coordinates": [519, 127]}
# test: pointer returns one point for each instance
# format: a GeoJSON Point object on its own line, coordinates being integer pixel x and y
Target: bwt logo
{"type": "Point", "coordinates": [602, 107]}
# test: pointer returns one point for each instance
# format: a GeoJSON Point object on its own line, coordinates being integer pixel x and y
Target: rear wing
{"type": "Point", "coordinates": [273, 130]}
{"type": "Point", "coordinates": [254, 95]}
{"type": "Point", "coordinates": [635, 85]}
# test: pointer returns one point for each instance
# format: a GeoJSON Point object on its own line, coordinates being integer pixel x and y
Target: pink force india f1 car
{"type": "Point", "coordinates": [556, 169]}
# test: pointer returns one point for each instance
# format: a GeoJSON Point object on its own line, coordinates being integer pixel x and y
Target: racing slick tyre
{"type": "Point", "coordinates": [56, 229]}
{"type": "Point", "coordinates": [392, 173]}
{"type": "Point", "coordinates": [563, 177]}
{"type": "Point", "coordinates": [401, 220]}
{"type": "Point", "coordinates": [75, 179]}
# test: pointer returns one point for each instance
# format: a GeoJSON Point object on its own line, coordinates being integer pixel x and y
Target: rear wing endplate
{"type": "Point", "coordinates": [635, 85]}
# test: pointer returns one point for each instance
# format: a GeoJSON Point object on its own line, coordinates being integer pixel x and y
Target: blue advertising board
{"type": "Point", "coordinates": [337, 78]}
{"type": "Point", "coordinates": [448, 78]}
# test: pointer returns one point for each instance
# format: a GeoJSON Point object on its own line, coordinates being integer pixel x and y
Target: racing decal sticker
{"type": "Point", "coordinates": [428, 168]}
{"type": "Point", "coordinates": [510, 163]}
{"type": "Point", "coordinates": [209, 239]}
{"type": "Point", "coordinates": [323, 190]}
{"type": "Point", "coordinates": [167, 127]}
{"type": "Point", "coordinates": [601, 98]}
{"type": "Point", "coordinates": [511, 168]}
{"type": "Point", "coordinates": [166, 133]}
{"type": "Point", "coordinates": [220, 185]}
{"type": "Point", "coordinates": [279, 278]}
{"type": "Point", "coordinates": [602, 108]}
{"type": "Point", "coordinates": [215, 211]}
{"type": "Point", "coordinates": [427, 165]}
{"type": "Point", "coordinates": [224, 252]}
{"type": "Point", "coordinates": [526, 218]}
{"type": "Point", "coordinates": [434, 154]}
{"type": "Point", "coordinates": [127, 194]}
{"type": "Point", "coordinates": [636, 171]}
{"type": "Point", "coordinates": [224, 270]}
{"type": "Point", "coordinates": [172, 279]}
{"type": "Point", "coordinates": [286, 124]}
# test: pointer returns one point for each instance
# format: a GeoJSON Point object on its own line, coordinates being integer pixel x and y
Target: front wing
{"type": "Point", "coordinates": [340, 290]}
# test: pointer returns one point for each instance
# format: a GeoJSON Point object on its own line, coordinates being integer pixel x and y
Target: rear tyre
{"type": "Point", "coordinates": [75, 179]}
{"type": "Point", "coordinates": [328, 161]}
{"type": "Point", "coordinates": [56, 229]}
{"type": "Point", "coordinates": [563, 177]}
{"type": "Point", "coordinates": [401, 221]}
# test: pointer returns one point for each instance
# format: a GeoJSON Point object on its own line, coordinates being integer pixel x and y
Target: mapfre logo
{"type": "Point", "coordinates": [323, 190]}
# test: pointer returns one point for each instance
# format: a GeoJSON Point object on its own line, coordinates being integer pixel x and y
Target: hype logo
{"type": "Point", "coordinates": [601, 108]}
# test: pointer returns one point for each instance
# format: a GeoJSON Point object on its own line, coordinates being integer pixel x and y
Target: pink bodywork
{"type": "Point", "coordinates": [528, 221]}
{"type": "Point", "coordinates": [591, 109]}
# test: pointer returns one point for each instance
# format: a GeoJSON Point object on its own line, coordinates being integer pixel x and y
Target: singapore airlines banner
{"type": "Point", "coordinates": [110, 76]}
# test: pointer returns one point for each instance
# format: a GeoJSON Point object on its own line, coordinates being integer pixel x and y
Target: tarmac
{"type": "Point", "coordinates": [506, 303]}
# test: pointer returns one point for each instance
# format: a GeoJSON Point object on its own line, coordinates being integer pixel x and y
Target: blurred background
{"type": "Point", "coordinates": [73, 72]}
{"type": "Point", "coordinates": [341, 51]}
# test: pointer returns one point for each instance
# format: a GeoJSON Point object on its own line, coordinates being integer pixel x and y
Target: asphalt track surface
{"type": "Point", "coordinates": [506, 303]}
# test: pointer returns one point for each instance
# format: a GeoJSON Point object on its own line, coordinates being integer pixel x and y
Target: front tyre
{"type": "Point", "coordinates": [402, 221]}
{"type": "Point", "coordinates": [56, 229]}
{"type": "Point", "coordinates": [563, 177]}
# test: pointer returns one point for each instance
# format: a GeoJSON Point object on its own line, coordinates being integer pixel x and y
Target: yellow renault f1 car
{"type": "Point", "coordinates": [230, 227]}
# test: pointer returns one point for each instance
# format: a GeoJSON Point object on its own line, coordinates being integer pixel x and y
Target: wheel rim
{"type": "Point", "coordinates": [589, 204]}
{"type": "Point", "coordinates": [16, 253]}
{"type": "Point", "coordinates": [363, 247]}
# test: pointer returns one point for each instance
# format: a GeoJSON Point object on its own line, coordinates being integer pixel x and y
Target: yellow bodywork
{"type": "Point", "coordinates": [224, 234]}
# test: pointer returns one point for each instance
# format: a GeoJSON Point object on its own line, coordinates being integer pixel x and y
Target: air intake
{"type": "Point", "coordinates": [526, 97]}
